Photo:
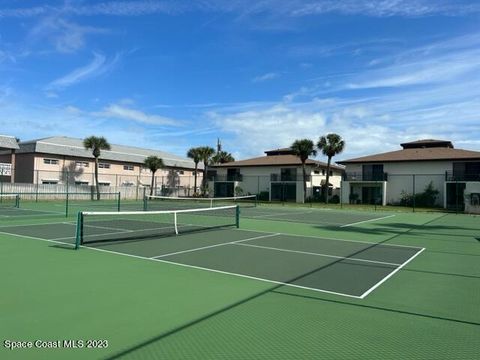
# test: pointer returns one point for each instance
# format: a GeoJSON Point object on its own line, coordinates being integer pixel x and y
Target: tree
{"type": "Point", "coordinates": [330, 145]}
{"type": "Point", "coordinates": [195, 155]}
{"type": "Point", "coordinates": [153, 163]}
{"type": "Point", "coordinates": [303, 149]}
{"type": "Point", "coordinates": [222, 157]}
{"type": "Point", "coordinates": [206, 153]}
{"type": "Point", "coordinates": [96, 144]}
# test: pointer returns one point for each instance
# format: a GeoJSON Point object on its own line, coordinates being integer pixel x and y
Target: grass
{"type": "Point", "coordinates": [147, 309]}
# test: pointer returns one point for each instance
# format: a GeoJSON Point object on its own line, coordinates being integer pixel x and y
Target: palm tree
{"type": "Point", "coordinates": [194, 154]}
{"type": "Point", "coordinates": [222, 157]}
{"type": "Point", "coordinates": [206, 153]}
{"type": "Point", "coordinates": [153, 163]}
{"type": "Point", "coordinates": [303, 149]}
{"type": "Point", "coordinates": [330, 145]}
{"type": "Point", "coordinates": [96, 144]}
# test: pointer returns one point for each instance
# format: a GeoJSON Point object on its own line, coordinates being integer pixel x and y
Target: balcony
{"type": "Point", "coordinates": [288, 177]}
{"type": "Point", "coordinates": [461, 176]}
{"type": "Point", "coordinates": [365, 176]}
{"type": "Point", "coordinates": [228, 177]}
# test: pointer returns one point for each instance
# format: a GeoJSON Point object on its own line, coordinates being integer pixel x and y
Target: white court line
{"type": "Point", "coordinates": [190, 266]}
{"type": "Point", "coordinates": [281, 214]}
{"type": "Point", "coordinates": [301, 213]}
{"type": "Point", "coordinates": [212, 246]}
{"type": "Point", "coordinates": [49, 223]}
{"type": "Point", "coordinates": [361, 222]}
{"type": "Point", "coordinates": [390, 275]}
{"type": "Point", "coordinates": [317, 254]}
{"type": "Point", "coordinates": [336, 239]}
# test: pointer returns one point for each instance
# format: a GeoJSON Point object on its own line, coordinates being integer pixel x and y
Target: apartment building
{"type": "Point", "coordinates": [274, 177]}
{"type": "Point", "coordinates": [390, 177]}
{"type": "Point", "coordinates": [61, 160]}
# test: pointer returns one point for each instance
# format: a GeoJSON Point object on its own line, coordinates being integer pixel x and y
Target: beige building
{"type": "Point", "coordinates": [274, 177]}
{"type": "Point", "coordinates": [393, 177]}
{"type": "Point", "coordinates": [9, 146]}
{"type": "Point", "coordinates": [61, 160]}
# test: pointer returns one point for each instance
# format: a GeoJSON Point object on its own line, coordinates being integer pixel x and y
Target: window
{"type": "Point", "coordinates": [103, 183]}
{"type": "Point", "coordinates": [331, 173]}
{"type": "Point", "coordinates": [316, 172]}
{"type": "Point", "coordinates": [372, 172]}
{"type": "Point", "coordinates": [50, 182]}
{"type": "Point", "coordinates": [323, 171]}
{"type": "Point", "coordinates": [81, 164]}
{"type": "Point", "coordinates": [103, 166]}
{"type": "Point", "coordinates": [180, 172]}
{"type": "Point", "coordinates": [50, 161]}
{"type": "Point", "coordinates": [128, 167]}
{"type": "Point", "coordinates": [288, 174]}
{"type": "Point", "coordinates": [80, 182]}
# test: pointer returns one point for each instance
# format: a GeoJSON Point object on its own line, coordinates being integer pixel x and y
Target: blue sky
{"type": "Point", "coordinates": [258, 74]}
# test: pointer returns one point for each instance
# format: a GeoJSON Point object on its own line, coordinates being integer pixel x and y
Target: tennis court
{"type": "Point", "coordinates": [251, 282]}
{"type": "Point", "coordinates": [342, 267]}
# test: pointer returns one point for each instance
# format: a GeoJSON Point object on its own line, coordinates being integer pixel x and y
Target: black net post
{"type": "Point", "coordinates": [118, 201]}
{"type": "Point", "coordinates": [79, 231]}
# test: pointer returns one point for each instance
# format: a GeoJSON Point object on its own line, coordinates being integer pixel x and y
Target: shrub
{"type": "Point", "coordinates": [263, 196]}
{"type": "Point", "coordinates": [335, 199]}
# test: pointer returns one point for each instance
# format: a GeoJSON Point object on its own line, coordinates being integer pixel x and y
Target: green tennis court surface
{"type": "Point", "coordinates": [289, 283]}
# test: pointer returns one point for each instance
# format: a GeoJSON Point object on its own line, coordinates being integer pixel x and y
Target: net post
{"type": "Point", "coordinates": [255, 202]}
{"type": "Point", "coordinates": [79, 230]}
{"type": "Point", "coordinates": [145, 205]}
{"type": "Point", "coordinates": [118, 201]}
{"type": "Point", "coordinates": [17, 201]}
{"type": "Point", "coordinates": [237, 216]}
{"type": "Point", "coordinates": [175, 222]}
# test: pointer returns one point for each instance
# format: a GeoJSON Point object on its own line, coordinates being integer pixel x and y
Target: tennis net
{"type": "Point", "coordinates": [156, 202]}
{"type": "Point", "coordinates": [9, 200]}
{"type": "Point", "coordinates": [94, 227]}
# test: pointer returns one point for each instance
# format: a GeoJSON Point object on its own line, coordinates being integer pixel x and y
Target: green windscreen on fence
{"type": "Point", "coordinates": [94, 227]}
{"type": "Point", "coordinates": [156, 202]}
{"type": "Point", "coordinates": [9, 200]}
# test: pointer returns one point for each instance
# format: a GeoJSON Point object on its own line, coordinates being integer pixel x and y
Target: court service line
{"type": "Point", "coordinates": [318, 254]}
{"type": "Point", "coordinates": [212, 246]}
{"type": "Point", "coordinates": [390, 275]}
{"type": "Point", "coordinates": [335, 239]}
{"type": "Point", "coordinates": [190, 266]}
{"type": "Point", "coordinates": [361, 222]}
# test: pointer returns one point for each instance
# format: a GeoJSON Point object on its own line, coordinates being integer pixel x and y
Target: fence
{"type": "Point", "coordinates": [412, 191]}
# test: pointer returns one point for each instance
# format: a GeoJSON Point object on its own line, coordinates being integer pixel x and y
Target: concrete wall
{"type": "Point", "coordinates": [401, 179]}
{"type": "Point", "coordinates": [257, 179]}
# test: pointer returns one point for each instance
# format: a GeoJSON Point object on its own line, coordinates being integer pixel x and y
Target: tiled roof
{"type": "Point", "coordinates": [417, 154]}
{"type": "Point", "coordinates": [8, 142]}
{"type": "Point", "coordinates": [67, 146]}
{"type": "Point", "coordinates": [277, 160]}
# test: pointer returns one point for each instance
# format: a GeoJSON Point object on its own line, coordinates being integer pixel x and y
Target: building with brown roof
{"type": "Point", "coordinates": [388, 178]}
{"type": "Point", "coordinates": [277, 176]}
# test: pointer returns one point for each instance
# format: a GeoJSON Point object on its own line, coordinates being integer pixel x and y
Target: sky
{"type": "Point", "coordinates": [171, 75]}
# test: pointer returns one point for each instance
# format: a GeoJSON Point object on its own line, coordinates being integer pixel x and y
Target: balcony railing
{"type": "Point", "coordinates": [288, 177]}
{"type": "Point", "coordinates": [229, 177]}
{"type": "Point", "coordinates": [461, 176]}
{"type": "Point", "coordinates": [365, 176]}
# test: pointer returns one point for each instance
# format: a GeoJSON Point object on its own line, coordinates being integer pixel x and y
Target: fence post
{"type": "Point", "coordinates": [36, 185]}
{"type": "Point", "coordinates": [66, 205]}
{"type": "Point", "coordinates": [413, 196]}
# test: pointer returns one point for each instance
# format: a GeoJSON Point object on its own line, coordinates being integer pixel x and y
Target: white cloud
{"type": "Point", "coordinates": [98, 66]}
{"type": "Point", "coordinates": [121, 112]}
{"type": "Point", "coordinates": [265, 77]}
{"type": "Point", "coordinates": [66, 36]}
{"type": "Point", "coordinates": [292, 8]}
